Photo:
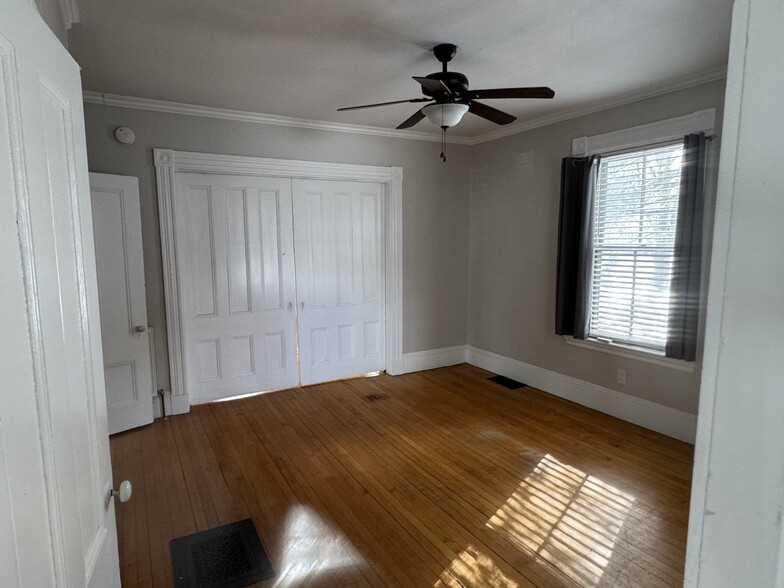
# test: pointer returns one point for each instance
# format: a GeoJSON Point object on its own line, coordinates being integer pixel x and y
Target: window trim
{"type": "Point", "coordinates": [640, 137]}
{"type": "Point", "coordinates": [632, 352]}
{"type": "Point", "coordinates": [671, 129]}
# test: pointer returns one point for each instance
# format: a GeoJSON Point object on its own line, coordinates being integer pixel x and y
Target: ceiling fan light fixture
{"type": "Point", "coordinates": [445, 115]}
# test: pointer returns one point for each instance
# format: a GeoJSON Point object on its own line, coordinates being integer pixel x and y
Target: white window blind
{"type": "Point", "coordinates": [635, 214]}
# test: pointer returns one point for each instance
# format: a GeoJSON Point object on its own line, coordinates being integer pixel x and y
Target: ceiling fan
{"type": "Point", "coordinates": [449, 97]}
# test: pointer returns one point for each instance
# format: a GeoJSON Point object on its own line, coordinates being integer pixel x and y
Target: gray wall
{"type": "Point", "coordinates": [435, 205]}
{"type": "Point", "coordinates": [513, 244]}
{"type": "Point", "coordinates": [505, 252]}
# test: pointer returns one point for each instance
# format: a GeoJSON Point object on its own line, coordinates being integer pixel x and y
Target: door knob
{"type": "Point", "coordinates": [291, 306]}
{"type": "Point", "coordinates": [139, 329]}
{"type": "Point", "coordinates": [124, 492]}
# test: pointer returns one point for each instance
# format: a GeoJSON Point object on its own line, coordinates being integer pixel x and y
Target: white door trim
{"type": "Point", "coordinates": [168, 162]}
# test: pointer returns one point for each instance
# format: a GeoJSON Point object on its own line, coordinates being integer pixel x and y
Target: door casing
{"type": "Point", "coordinates": [169, 162]}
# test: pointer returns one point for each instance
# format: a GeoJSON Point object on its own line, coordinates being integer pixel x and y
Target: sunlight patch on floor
{"type": "Point", "coordinates": [473, 567]}
{"type": "Point", "coordinates": [310, 548]}
{"type": "Point", "coordinates": [566, 517]}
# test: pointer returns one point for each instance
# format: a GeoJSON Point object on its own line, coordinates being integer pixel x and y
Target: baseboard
{"type": "Point", "coordinates": [662, 419]}
{"type": "Point", "coordinates": [657, 417]}
{"type": "Point", "coordinates": [418, 361]}
{"type": "Point", "coordinates": [174, 405]}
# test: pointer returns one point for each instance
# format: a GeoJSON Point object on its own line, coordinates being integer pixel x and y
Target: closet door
{"type": "Point", "coordinates": [235, 260]}
{"type": "Point", "coordinates": [338, 232]}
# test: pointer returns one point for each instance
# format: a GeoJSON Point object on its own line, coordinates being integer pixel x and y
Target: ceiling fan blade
{"type": "Point", "coordinates": [384, 104]}
{"type": "Point", "coordinates": [540, 92]}
{"type": "Point", "coordinates": [490, 113]}
{"type": "Point", "coordinates": [433, 85]}
{"type": "Point", "coordinates": [411, 120]}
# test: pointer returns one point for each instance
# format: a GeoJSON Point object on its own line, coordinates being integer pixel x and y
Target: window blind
{"type": "Point", "coordinates": [634, 221]}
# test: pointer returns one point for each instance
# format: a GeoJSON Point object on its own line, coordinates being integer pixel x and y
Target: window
{"type": "Point", "coordinates": [634, 222]}
{"type": "Point", "coordinates": [630, 240]}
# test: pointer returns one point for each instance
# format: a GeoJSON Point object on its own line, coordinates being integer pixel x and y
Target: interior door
{"type": "Point", "coordinates": [235, 260]}
{"type": "Point", "coordinates": [57, 525]}
{"type": "Point", "coordinates": [126, 339]}
{"type": "Point", "coordinates": [338, 233]}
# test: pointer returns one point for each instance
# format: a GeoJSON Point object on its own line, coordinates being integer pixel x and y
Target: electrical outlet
{"type": "Point", "coordinates": [622, 377]}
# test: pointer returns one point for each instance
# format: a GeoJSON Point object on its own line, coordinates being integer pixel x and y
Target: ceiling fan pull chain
{"type": "Point", "coordinates": [443, 144]}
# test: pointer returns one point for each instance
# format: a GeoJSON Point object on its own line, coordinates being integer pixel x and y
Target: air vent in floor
{"type": "Point", "coordinates": [230, 556]}
{"type": "Point", "coordinates": [506, 382]}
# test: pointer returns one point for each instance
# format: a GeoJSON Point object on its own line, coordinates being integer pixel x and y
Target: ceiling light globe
{"type": "Point", "coordinates": [445, 115]}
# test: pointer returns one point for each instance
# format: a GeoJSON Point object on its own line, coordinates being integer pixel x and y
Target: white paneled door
{"type": "Point", "coordinates": [339, 240]}
{"type": "Point", "coordinates": [126, 339]}
{"type": "Point", "coordinates": [57, 525]}
{"type": "Point", "coordinates": [235, 260]}
{"type": "Point", "coordinates": [281, 282]}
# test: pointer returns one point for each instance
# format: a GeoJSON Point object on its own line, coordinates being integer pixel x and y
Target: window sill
{"type": "Point", "coordinates": [631, 353]}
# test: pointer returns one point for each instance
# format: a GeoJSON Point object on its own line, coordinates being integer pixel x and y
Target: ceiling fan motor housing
{"type": "Point", "coordinates": [454, 80]}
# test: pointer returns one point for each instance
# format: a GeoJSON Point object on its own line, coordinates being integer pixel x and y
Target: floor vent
{"type": "Point", "coordinates": [230, 556]}
{"type": "Point", "coordinates": [506, 382]}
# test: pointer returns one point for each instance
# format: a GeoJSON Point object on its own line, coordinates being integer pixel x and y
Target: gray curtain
{"type": "Point", "coordinates": [575, 234]}
{"type": "Point", "coordinates": [686, 276]}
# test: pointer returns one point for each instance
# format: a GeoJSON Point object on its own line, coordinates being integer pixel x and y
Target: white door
{"type": "Point", "coordinates": [57, 527]}
{"type": "Point", "coordinates": [126, 340]}
{"type": "Point", "coordinates": [235, 260]}
{"type": "Point", "coordinates": [338, 233]}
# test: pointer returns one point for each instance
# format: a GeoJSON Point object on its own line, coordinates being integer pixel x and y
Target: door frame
{"type": "Point", "coordinates": [168, 162]}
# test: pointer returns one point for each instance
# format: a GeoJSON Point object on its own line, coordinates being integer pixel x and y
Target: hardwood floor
{"type": "Point", "coordinates": [437, 478]}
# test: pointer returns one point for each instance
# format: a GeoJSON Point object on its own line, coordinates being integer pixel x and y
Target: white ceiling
{"type": "Point", "coordinates": [306, 58]}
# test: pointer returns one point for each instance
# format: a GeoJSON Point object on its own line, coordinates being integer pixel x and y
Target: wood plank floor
{"type": "Point", "coordinates": [440, 478]}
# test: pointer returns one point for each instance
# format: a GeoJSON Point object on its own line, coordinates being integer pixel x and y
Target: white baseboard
{"type": "Point", "coordinates": [174, 405]}
{"type": "Point", "coordinates": [418, 361]}
{"type": "Point", "coordinates": [662, 419]}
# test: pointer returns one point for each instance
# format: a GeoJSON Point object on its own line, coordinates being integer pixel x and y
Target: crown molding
{"type": "Point", "coordinates": [259, 118]}
{"type": "Point", "coordinates": [170, 107]}
{"type": "Point", "coordinates": [711, 75]}
{"type": "Point", "coordinates": [70, 12]}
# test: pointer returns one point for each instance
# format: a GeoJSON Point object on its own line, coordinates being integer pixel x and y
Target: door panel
{"type": "Point", "coordinates": [126, 345]}
{"type": "Point", "coordinates": [24, 559]}
{"type": "Point", "coordinates": [236, 271]}
{"type": "Point", "coordinates": [340, 278]}
{"type": "Point", "coordinates": [53, 427]}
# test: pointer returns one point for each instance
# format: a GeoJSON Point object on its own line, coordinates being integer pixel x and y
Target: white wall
{"type": "Point", "coordinates": [515, 183]}
{"type": "Point", "coordinates": [435, 205]}
{"type": "Point", "coordinates": [737, 509]}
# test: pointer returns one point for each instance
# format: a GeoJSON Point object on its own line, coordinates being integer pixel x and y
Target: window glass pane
{"type": "Point", "coordinates": [635, 214]}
